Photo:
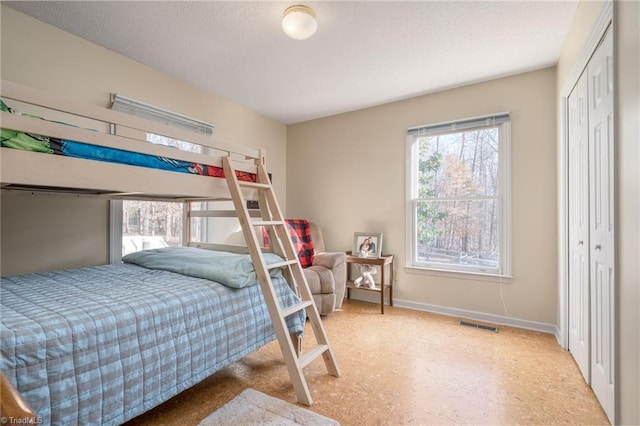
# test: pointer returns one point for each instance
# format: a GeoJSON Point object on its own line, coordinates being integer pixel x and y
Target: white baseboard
{"type": "Point", "coordinates": [559, 339]}
{"type": "Point", "coordinates": [462, 313]}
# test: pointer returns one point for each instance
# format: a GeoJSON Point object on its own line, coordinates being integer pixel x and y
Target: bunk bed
{"type": "Point", "coordinates": [103, 344]}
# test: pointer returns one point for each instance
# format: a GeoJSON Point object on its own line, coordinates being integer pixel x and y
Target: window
{"type": "Point", "coordinates": [458, 216]}
{"type": "Point", "coordinates": [151, 224]}
{"type": "Point", "coordinates": [155, 224]}
{"type": "Point", "coordinates": [215, 222]}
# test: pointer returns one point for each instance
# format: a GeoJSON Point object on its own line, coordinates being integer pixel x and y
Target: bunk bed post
{"type": "Point", "coordinates": [115, 231]}
{"type": "Point", "coordinates": [12, 405]}
{"type": "Point", "coordinates": [186, 223]}
{"type": "Point", "coordinates": [263, 158]}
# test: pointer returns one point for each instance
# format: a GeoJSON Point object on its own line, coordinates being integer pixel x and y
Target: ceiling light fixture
{"type": "Point", "coordinates": [299, 22]}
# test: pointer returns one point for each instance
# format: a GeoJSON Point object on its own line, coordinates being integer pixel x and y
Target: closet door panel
{"type": "Point", "coordinates": [579, 293]}
{"type": "Point", "coordinates": [601, 229]}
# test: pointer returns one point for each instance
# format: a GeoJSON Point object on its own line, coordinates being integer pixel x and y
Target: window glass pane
{"type": "Point", "coordinates": [150, 224]}
{"type": "Point", "coordinates": [460, 196]}
{"type": "Point", "coordinates": [458, 164]}
{"type": "Point", "coordinates": [175, 143]}
{"type": "Point", "coordinates": [210, 205]}
{"type": "Point", "coordinates": [463, 233]}
{"type": "Point", "coordinates": [217, 230]}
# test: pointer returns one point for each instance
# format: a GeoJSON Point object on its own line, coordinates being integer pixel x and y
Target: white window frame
{"type": "Point", "coordinates": [115, 231]}
{"type": "Point", "coordinates": [503, 122]}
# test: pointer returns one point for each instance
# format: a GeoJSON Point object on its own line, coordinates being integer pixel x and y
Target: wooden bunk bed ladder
{"type": "Point", "coordinates": [273, 222]}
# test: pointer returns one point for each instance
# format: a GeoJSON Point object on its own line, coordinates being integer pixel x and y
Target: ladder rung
{"type": "Point", "coordinates": [257, 185]}
{"type": "Point", "coordinates": [311, 355]}
{"type": "Point", "coordinates": [297, 307]}
{"type": "Point", "coordinates": [267, 222]}
{"type": "Point", "coordinates": [282, 264]}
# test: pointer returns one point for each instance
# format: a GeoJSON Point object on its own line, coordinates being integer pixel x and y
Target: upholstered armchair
{"type": "Point", "coordinates": [326, 272]}
{"type": "Point", "coordinates": [327, 275]}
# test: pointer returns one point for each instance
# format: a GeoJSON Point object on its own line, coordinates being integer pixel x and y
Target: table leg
{"type": "Point", "coordinates": [348, 278]}
{"type": "Point", "coordinates": [382, 289]}
{"type": "Point", "coordinates": [391, 284]}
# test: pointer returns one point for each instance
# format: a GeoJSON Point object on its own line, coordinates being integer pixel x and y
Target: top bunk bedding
{"type": "Point", "coordinates": [87, 160]}
{"type": "Point", "coordinates": [104, 344]}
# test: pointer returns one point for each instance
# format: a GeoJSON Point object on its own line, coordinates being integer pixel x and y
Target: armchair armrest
{"type": "Point", "coordinates": [329, 260]}
{"type": "Point", "coordinates": [336, 263]}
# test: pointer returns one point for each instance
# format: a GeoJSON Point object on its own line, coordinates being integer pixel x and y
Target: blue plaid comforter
{"type": "Point", "coordinates": [102, 345]}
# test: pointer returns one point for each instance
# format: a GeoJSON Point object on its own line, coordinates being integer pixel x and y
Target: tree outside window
{"type": "Point", "coordinates": [151, 224]}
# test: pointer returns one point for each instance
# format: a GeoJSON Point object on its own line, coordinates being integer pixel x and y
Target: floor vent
{"type": "Point", "coordinates": [480, 326]}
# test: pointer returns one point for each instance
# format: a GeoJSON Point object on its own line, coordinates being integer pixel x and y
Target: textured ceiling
{"type": "Point", "coordinates": [363, 54]}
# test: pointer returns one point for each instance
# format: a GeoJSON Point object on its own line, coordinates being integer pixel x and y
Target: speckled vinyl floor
{"type": "Point", "coordinates": [410, 368]}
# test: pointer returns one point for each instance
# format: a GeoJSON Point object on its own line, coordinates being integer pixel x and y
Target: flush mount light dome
{"type": "Point", "coordinates": [299, 22]}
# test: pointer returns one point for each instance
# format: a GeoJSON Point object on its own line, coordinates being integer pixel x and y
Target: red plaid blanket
{"type": "Point", "coordinates": [300, 234]}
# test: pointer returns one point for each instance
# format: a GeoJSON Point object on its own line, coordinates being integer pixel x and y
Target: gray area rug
{"type": "Point", "coordinates": [255, 408]}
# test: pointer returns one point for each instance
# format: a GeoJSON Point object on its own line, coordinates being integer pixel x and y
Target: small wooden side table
{"type": "Point", "coordinates": [382, 261]}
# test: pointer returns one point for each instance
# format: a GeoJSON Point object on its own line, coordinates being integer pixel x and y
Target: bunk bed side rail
{"type": "Point", "coordinates": [55, 130]}
{"type": "Point", "coordinates": [111, 180]}
{"type": "Point", "coordinates": [11, 90]}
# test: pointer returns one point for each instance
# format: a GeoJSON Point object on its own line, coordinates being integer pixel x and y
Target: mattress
{"type": "Point", "coordinates": [102, 345]}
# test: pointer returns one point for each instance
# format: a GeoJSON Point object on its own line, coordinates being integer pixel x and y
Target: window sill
{"type": "Point", "coordinates": [473, 276]}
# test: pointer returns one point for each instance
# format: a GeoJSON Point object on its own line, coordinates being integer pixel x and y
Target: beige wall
{"type": "Point", "coordinates": [41, 56]}
{"type": "Point", "coordinates": [347, 173]}
{"type": "Point", "coordinates": [574, 45]}
{"type": "Point", "coordinates": [626, 23]}
{"type": "Point", "coordinates": [44, 233]}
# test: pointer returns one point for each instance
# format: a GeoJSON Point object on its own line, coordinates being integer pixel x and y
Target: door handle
{"type": "Point", "coordinates": [580, 242]}
{"type": "Point", "coordinates": [598, 247]}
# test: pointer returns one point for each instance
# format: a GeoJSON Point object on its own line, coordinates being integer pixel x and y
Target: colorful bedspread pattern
{"type": "Point", "coordinates": [37, 143]}
{"type": "Point", "coordinates": [102, 345]}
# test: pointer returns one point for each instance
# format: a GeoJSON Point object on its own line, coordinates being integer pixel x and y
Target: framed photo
{"type": "Point", "coordinates": [367, 244]}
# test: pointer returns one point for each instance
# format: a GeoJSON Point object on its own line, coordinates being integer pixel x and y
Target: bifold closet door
{"type": "Point", "coordinates": [591, 224]}
{"type": "Point", "coordinates": [601, 229]}
{"type": "Point", "coordinates": [579, 292]}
